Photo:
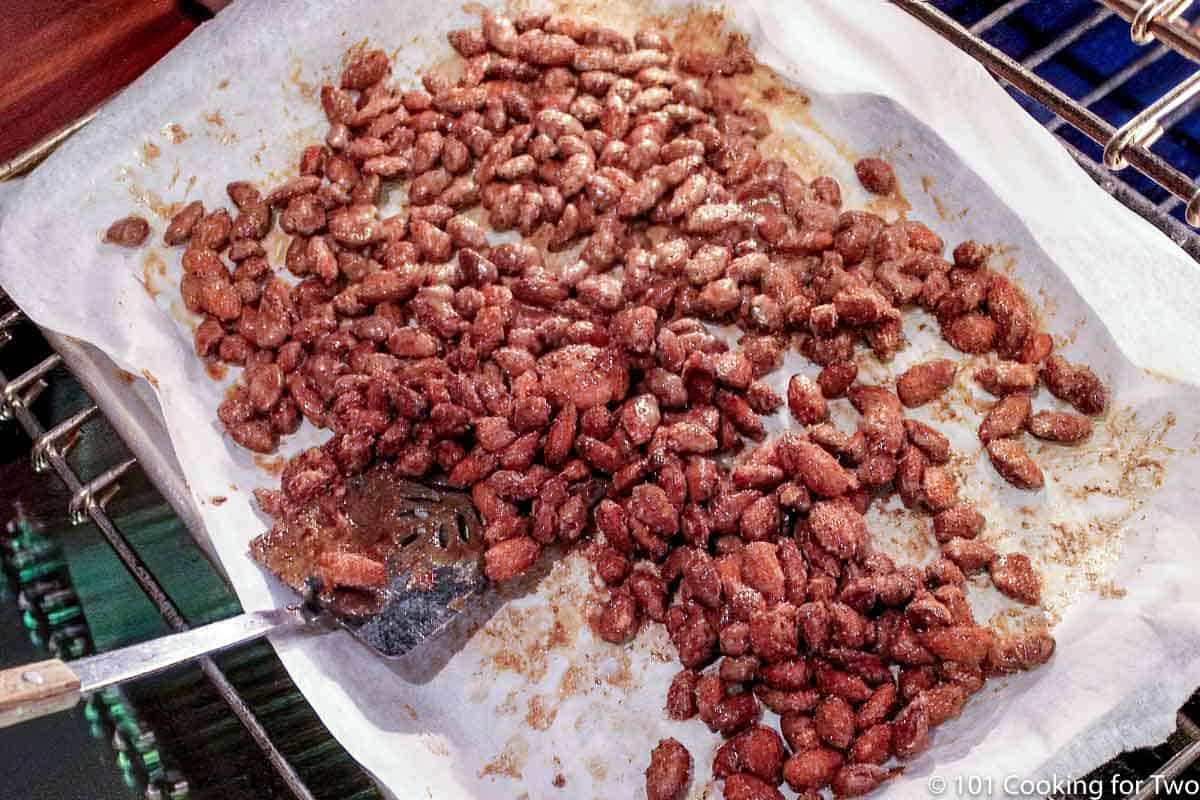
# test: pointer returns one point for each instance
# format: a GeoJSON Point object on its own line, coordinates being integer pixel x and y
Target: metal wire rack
{"type": "Point", "coordinates": [1128, 153]}
{"type": "Point", "coordinates": [1128, 147]}
{"type": "Point", "coordinates": [91, 495]}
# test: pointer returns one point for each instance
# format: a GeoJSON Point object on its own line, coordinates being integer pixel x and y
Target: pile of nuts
{"type": "Point", "coordinates": [568, 381]}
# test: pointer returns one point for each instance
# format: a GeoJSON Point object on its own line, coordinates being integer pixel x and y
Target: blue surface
{"type": "Point", "coordinates": [1092, 59]}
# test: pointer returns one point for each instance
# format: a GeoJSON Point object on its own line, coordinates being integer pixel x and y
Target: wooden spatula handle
{"type": "Point", "coordinates": [35, 690]}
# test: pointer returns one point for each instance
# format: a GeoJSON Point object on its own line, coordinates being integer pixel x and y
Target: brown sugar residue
{"type": "Point", "coordinates": [509, 706]}
{"type": "Point", "coordinates": [841, 148]}
{"type": "Point", "coordinates": [510, 651]}
{"type": "Point", "coordinates": [939, 205]}
{"type": "Point", "coordinates": [1106, 481]}
{"type": "Point", "coordinates": [1019, 621]}
{"type": "Point", "coordinates": [451, 68]}
{"type": "Point", "coordinates": [780, 96]}
{"type": "Point", "coordinates": [127, 377]}
{"type": "Point", "coordinates": [223, 134]}
{"type": "Point", "coordinates": [1110, 591]}
{"type": "Point", "coordinates": [150, 151]}
{"type": "Point", "coordinates": [597, 768]}
{"type": "Point", "coordinates": [412, 712]}
{"type": "Point", "coordinates": [909, 539]}
{"type": "Point", "coordinates": [561, 635]}
{"type": "Point", "coordinates": [508, 661]}
{"type": "Point", "coordinates": [154, 272]}
{"type": "Point", "coordinates": [1143, 467]}
{"type": "Point", "coordinates": [216, 370]}
{"type": "Point", "coordinates": [223, 83]}
{"type": "Point", "coordinates": [891, 207]}
{"type": "Point", "coordinates": [218, 499]}
{"type": "Point", "coordinates": [145, 197]}
{"type": "Point", "coordinates": [700, 30]}
{"type": "Point", "coordinates": [272, 465]}
{"type": "Point", "coordinates": [276, 244]}
{"type": "Point", "coordinates": [622, 676]}
{"type": "Point", "coordinates": [662, 656]}
{"type": "Point", "coordinates": [530, 641]}
{"type": "Point", "coordinates": [149, 376]}
{"type": "Point", "coordinates": [436, 745]}
{"type": "Point", "coordinates": [786, 106]}
{"type": "Point", "coordinates": [574, 681]}
{"type": "Point", "coordinates": [1071, 542]}
{"type": "Point", "coordinates": [352, 52]}
{"type": "Point", "coordinates": [796, 153]}
{"type": "Point", "coordinates": [175, 132]}
{"type": "Point", "coordinates": [951, 215]}
{"type": "Point", "coordinates": [523, 640]}
{"type": "Point", "coordinates": [564, 602]}
{"type": "Point", "coordinates": [182, 315]}
{"type": "Point", "coordinates": [540, 715]}
{"type": "Point", "coordinates": [559, 781]}
{"type": "Point", "coordinates": [510, 763]}
{"type": "Point", "coordinates": [1047, 304]}
{"type": "Point", "coordinates": [1071, 336]}
{"type": "Point", "coordinates": [307, 90]}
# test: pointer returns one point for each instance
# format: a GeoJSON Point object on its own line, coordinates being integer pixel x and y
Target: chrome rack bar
{"type": "Point", "coordinates": [31, 157]}
{"type": "Point", "coordinates": [1168, 31]}
{"type": "Point", "coordinates": [1147, 126]}
{"type": "Point", "coordinates": [1066, 39]}
{"type": "Point", "coordinates": [1131, 198]}
{"type": "Point", "coordinates": [146, 439]}
{"type": "Point", "coordinates": [1087, 122]}
{"type": "Point", "coordinates": [94, 496]}
{"type": "Point", "coordinates": [1116, 80]}
{"type": "Point", "coordinates": [25, 388]}
{"type": "Point", "coordinates": [1168, 10]}
{"type": "Point", "coordinates": [8, 321]}
{"type": "Point", "coordinates": [1175, 765]}
{"type": "Point", "coordinates": [1000, 13]}
{"type": "Point", "coordinates": [61, 438]}
{"type": "Point", "coordinates": [1168, 204]}
{"type": "Point", "coordinates": [1151, 123]}
{"type": "Point", "coordinates": [13, 402]}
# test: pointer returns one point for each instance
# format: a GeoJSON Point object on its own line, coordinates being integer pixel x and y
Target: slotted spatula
{"type": "Point", "coordinates": [434, 568]}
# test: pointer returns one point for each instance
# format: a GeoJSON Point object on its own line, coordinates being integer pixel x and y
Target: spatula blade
{"type": "Point", "coordinates": [428, 538]}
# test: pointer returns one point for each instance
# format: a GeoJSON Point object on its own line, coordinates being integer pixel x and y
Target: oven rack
{"type": "Point", "coordinates": [36, 568]}
{"type": "Point", "coordinates": [1156, 24]}
{"type": "Point", "coordinates": [91, 495]}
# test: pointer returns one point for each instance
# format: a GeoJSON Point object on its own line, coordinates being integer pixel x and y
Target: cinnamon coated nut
{"type": "Point", "coordinates": [536, 326]}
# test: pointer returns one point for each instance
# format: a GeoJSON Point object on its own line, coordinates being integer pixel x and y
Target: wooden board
{"type": "Point", "coordinates": [60, 59]}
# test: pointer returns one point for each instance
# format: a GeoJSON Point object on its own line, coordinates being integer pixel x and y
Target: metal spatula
{"type": "Point", "coordinates": [433, 569]}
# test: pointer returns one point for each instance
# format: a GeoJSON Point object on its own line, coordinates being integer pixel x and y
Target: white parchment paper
{"type": "Point", "coordinates": [524, 702]}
